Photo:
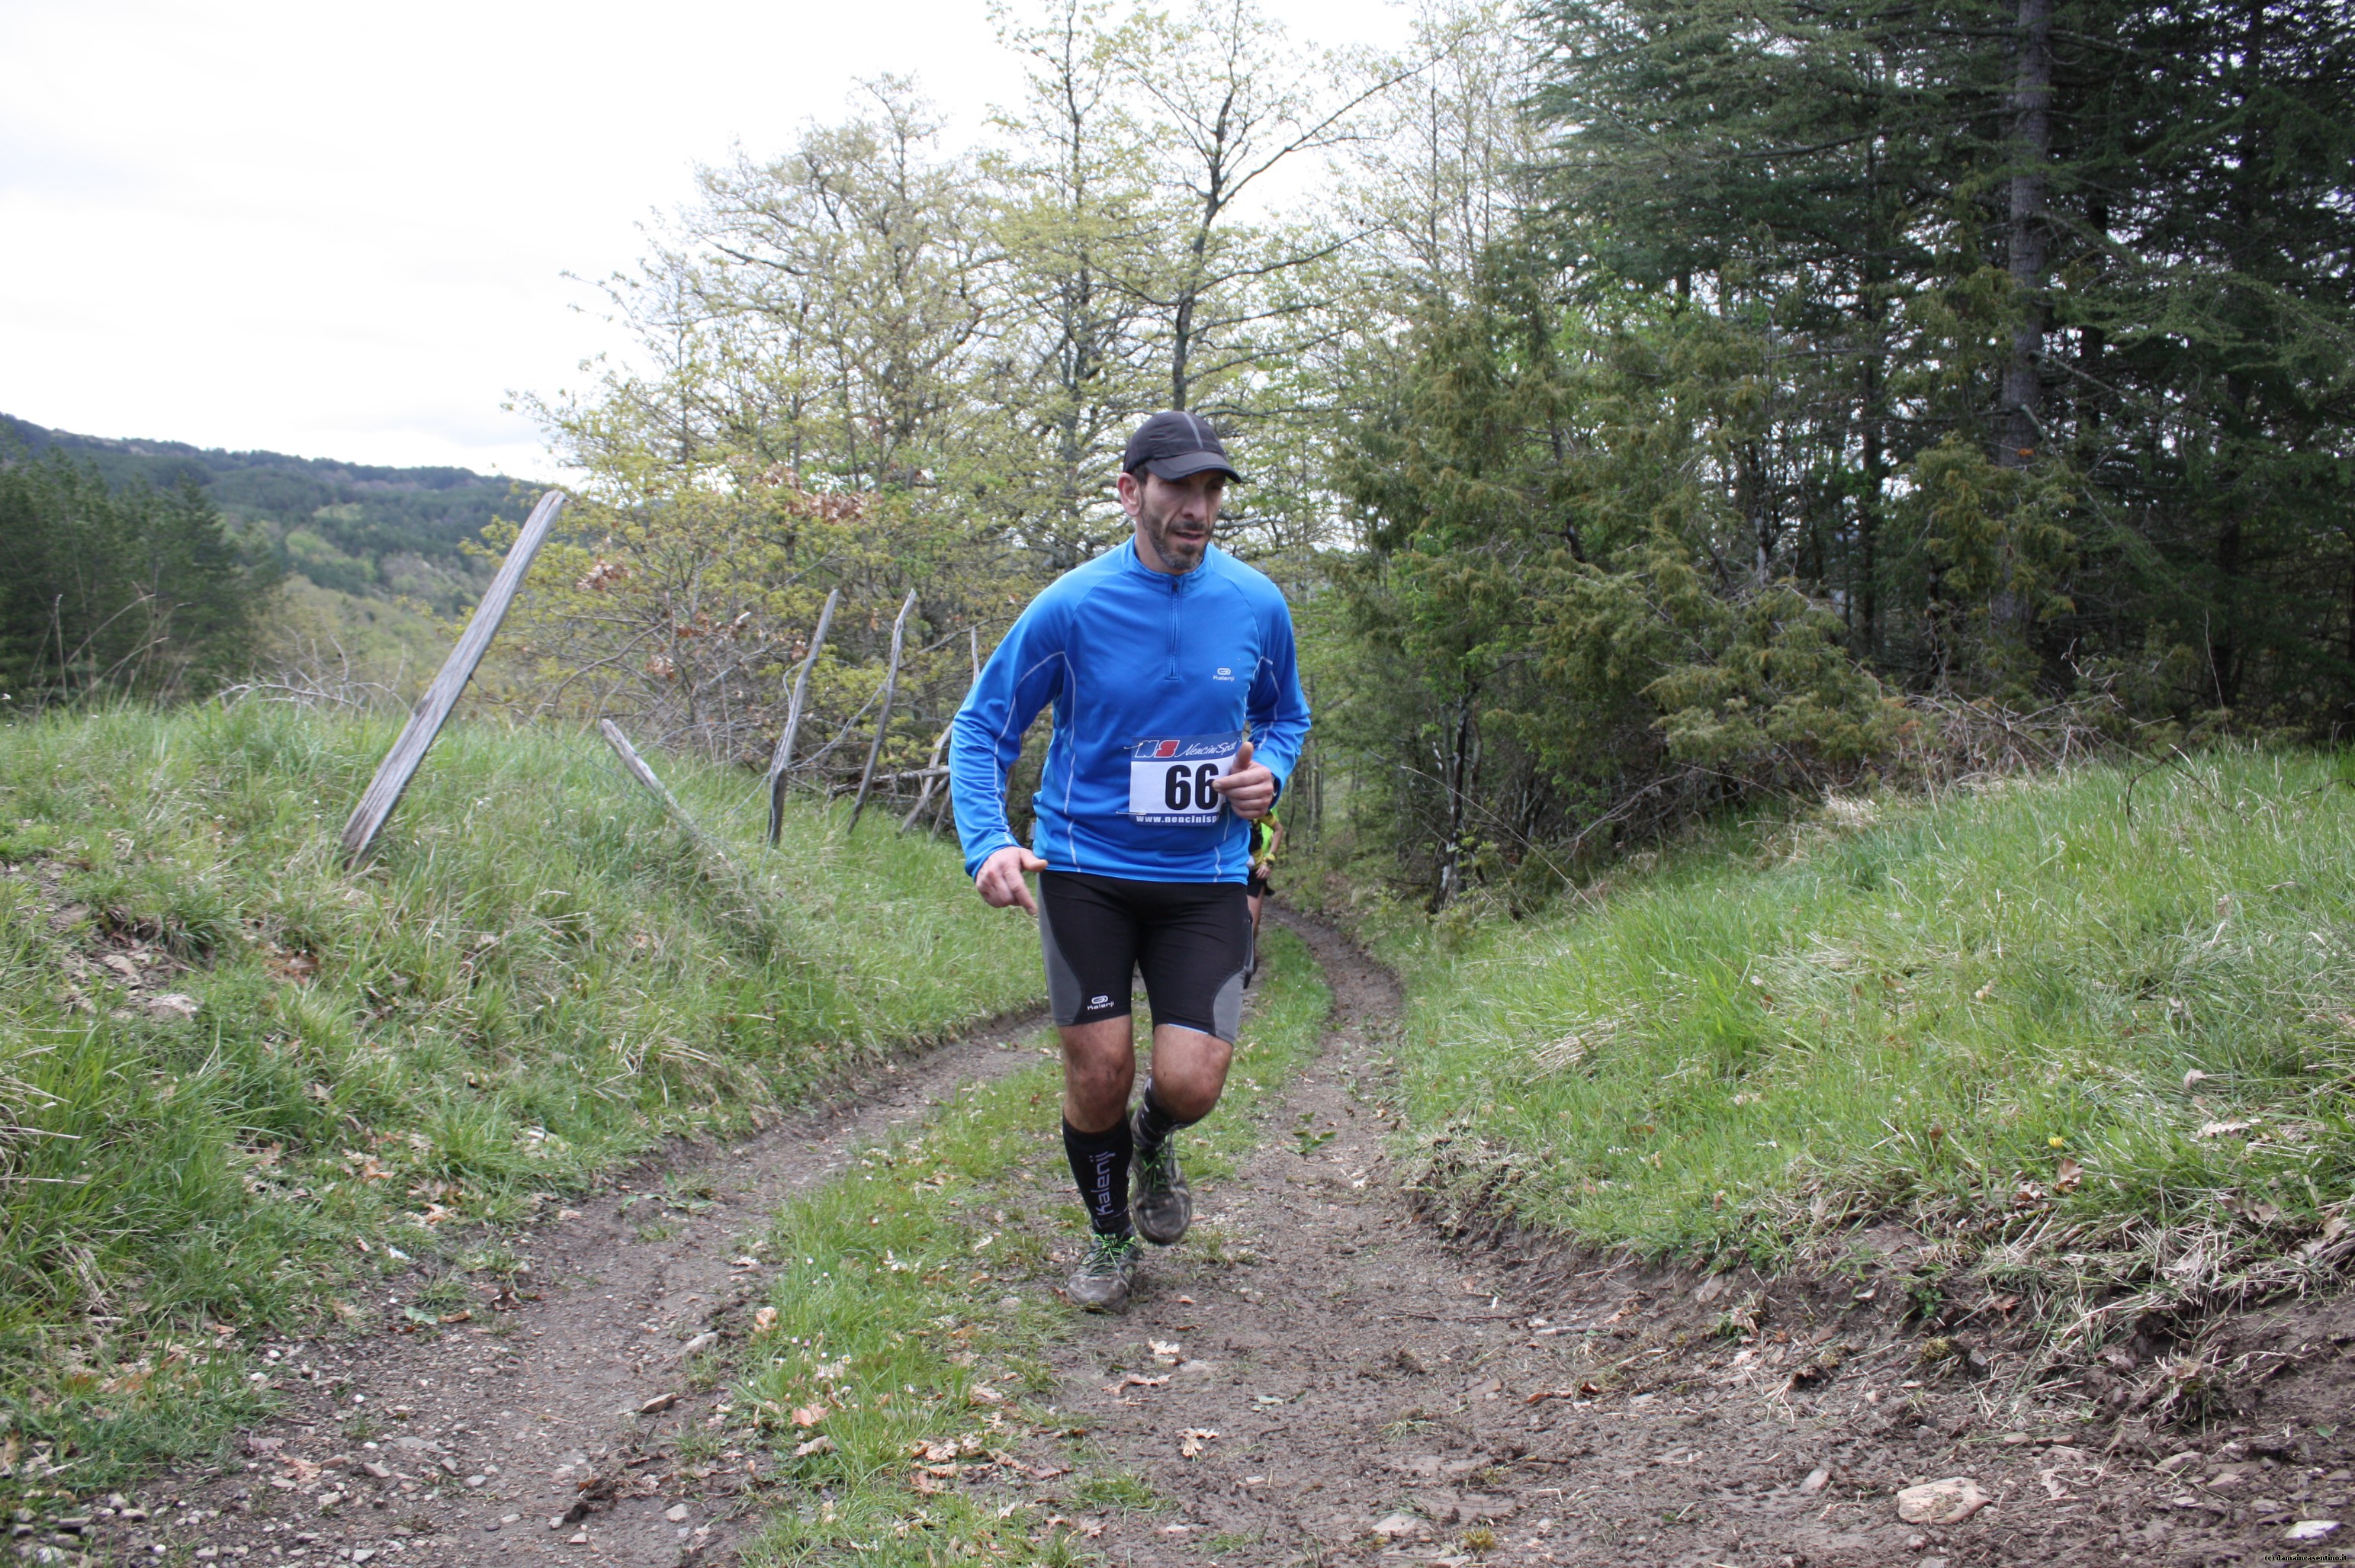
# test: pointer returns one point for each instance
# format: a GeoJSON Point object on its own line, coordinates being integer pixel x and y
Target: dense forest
{"type": "Point", "coordinates": [1985, 352]}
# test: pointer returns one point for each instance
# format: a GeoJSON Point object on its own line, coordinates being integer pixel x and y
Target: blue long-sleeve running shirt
{"type": "Point", "coordinates": [1156, 679]}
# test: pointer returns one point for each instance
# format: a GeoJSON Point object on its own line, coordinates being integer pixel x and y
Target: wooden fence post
{"type": "Point", "coordinates": [884, 721]}
{"type": "Point", "coordinates": [783, 759]}
{"type": "Point", "coordinates": [432, 710]}
{"type": "Point", "coordinates": [637, 768]}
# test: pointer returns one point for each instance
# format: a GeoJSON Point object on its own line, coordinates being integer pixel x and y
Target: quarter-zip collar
{"type": "Point", "coordinates": [1177, 586]}
{"type": "Point", "coordinates": [1131, 561]}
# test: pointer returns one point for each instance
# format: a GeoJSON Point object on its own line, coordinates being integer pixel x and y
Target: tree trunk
{"type": "Point", "coordinates": [2028, 235]}
{"type": "Point", "coordinates": [1451, 853]}
{"type": "Point", "coordinates": [2027, 238]}
{"type": "Point", "coordinates": [1865, 581]}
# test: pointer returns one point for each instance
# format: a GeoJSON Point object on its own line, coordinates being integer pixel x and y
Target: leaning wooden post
{"type": "Point", "coordinates": [783, 759]}
{"type": "Point", "coordinates": [638, 770]}
{"type": "Point", "coordinates": [425, 721]}
{"type": "Point", "coordinates": [883, 722]}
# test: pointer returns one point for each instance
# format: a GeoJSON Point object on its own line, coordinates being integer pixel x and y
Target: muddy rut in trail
{"type": "Point", "coordinates": [463, 1446]}
{"type": "Point", "coordinates": [1346, 1384]}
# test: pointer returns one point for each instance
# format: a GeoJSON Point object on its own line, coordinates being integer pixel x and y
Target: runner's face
{"type": "Point", "coordinates": [1174, 518]}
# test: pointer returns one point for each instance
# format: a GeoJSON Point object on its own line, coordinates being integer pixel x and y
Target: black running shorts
{"type": "Point", "coordinates": [1191, 940]}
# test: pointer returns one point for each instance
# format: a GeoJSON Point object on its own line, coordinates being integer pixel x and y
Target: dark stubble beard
{"type": "Point", "coordinates": [1181, 553]}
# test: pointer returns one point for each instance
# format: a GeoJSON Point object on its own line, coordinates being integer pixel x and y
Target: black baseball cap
{"type": "Point", "coordinates": [1176, 444]}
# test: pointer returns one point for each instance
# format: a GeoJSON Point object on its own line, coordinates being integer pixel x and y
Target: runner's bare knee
{"type": "Point", "coordinates": [1099, 1069]}
{"type": "Point", "coordinates": [1190, 1069]}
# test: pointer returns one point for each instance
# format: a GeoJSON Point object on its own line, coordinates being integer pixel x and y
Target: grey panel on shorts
{"type": "Point", "coordinates": [1065, 999]}
{"type": "Point", "coordinates": [1227, 1007]}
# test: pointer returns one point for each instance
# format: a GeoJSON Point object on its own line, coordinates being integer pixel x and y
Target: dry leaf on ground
{"type": "Point", "coordinates": [1134, 1379]}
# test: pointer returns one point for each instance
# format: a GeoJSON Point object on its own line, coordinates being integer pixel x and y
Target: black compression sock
{"type": "Point", "coordinates": [1100, 1166]}
{"type": "Point", "coordinates": [1153, 1124]}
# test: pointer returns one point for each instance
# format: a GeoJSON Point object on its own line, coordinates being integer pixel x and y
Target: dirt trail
{"type": "Point", "coordinates": [1353, 1385]}
{"type": "Point", "coordinates": [1374, 1391]}
{"type": "Point", "coordinates": [477, 1436]}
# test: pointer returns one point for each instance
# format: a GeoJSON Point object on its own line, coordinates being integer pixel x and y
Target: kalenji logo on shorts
{"type": "Point", "coordinates": [1099, 1002]}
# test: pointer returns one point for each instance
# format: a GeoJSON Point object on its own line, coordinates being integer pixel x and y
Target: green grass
{"type": "Point", "coordinates": [539, 976]}
{"type": "Point", "coordinates": [2104, 1056]}
{"type": "Point", "coordinates": [913, 1313]}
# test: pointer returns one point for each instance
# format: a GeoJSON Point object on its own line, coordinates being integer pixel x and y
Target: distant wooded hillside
{"type": "Point", "coordinates": [353, 528]}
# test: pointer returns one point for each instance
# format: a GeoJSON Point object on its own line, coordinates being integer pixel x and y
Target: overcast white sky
{"type": "Point", "coordinates": [342, 230]}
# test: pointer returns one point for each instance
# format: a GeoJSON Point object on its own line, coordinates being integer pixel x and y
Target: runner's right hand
{"type": "Point", "coordinates": [1000, 878]}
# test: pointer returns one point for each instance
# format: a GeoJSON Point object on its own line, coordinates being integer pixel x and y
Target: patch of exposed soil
{"type": "Point", "coordinates": [462, 1444]}
{"type": "Point", "coordinates": [1376, 1391]}
{"type": "Point", "coordinates": [114, 954]}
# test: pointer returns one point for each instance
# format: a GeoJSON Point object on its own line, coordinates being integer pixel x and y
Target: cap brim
{"type": "Point", "coordinates": [1189, 463]}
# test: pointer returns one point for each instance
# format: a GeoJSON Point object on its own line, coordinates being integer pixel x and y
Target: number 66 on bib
{"type": "Point", "coordinates": [1170, 780]}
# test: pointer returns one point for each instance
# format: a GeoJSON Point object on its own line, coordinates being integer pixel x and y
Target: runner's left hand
{"type": "Point", "coordinates": [1250, 788]}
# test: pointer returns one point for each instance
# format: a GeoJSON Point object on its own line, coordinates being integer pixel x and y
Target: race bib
{"type": "Point", "coordinates": [1169, 782]}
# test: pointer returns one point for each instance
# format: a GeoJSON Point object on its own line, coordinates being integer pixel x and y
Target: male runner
{"type": "Point", "coordinates": [1178, 719]}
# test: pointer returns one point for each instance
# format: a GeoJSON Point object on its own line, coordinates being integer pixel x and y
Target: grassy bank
{"type": "Point", "coordinates": [241, 1077]}
{"type": "Point", "coordinates": [898, 1374]}
{"type": "Point", "coordinates": [2091, 1048]}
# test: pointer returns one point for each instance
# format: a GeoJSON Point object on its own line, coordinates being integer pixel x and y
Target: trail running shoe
{"type": "Point", "coordinates": [1164, 1204]}
{"type": "Point", "coordinates": [1101, 1282]}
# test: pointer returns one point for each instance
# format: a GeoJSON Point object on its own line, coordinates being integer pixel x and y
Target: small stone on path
{"type": "Point", "coordinates": [2310, 1530]}
{"type": "Point", "coordinates": [1949, 1501]}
